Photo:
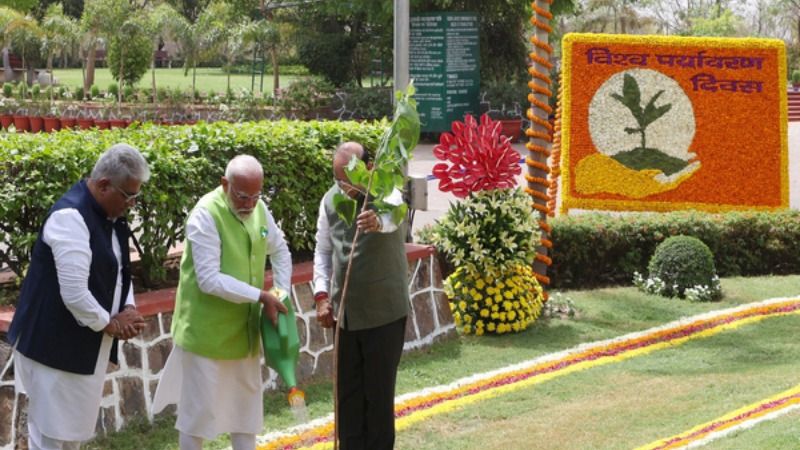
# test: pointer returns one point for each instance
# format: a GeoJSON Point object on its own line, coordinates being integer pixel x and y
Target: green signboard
{"type": "Point", "coordinates": [445, 66]}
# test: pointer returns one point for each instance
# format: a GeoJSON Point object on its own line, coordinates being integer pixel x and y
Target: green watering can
{"type": "Point", "coordinates": [281, 350]}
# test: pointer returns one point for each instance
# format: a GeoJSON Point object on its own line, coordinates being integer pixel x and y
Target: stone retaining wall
{"type": "Point", "coordinates": [129, 387]}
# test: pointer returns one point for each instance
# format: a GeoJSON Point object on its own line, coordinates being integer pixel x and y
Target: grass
{"type": "Point", "coordinates": [208, 79]}
{"type": "Point", "coordinates": [616, 406]}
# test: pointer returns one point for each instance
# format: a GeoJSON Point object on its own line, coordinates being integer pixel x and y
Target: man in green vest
{"type": "Point", "coordinates": [377, 303]}
{"type": "Point", "coordinates": [214, 370]}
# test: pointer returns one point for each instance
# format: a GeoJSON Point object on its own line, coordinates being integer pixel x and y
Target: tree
{"type": "Point", "coordinates": [129, 52]}
{"type": "Point", "coordinates": [24, 36]}
{"type": "Point", "coordinates": [197, 40]}
{"type": "Point", "coordinates": [100, 18]}
{"type": "Point", "coordinates": [163, 21]}
{"type": "Point", "coordinates": [61, 34]}
{"type": "Point", "coordinates": [263, 33]}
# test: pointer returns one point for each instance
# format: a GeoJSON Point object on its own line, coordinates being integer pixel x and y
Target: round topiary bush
{"type": "Point", "coordinates": [682, 266]}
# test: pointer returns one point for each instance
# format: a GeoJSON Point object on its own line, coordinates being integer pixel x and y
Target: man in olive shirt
{"type": "Point", "coordinates": [377, 303]}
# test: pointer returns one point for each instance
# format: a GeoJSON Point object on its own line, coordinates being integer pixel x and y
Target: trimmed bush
{"type": "Point", "coordinates": [681, 263]}
{"type": "Point", "coordinates": [595, 249]}
{"type": "Point", "coordinates": [185, 163]}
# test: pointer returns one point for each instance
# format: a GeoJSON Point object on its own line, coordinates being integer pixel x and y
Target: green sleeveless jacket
{"type": "Point", "coordinates": [210, 326]}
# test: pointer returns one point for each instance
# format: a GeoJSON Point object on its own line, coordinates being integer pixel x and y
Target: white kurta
{"type": "Point", "coordinates": [220, 396]}
{"type": "Point", "coordinates": [65, 405]}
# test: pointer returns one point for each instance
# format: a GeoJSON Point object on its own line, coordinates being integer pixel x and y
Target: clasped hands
{"type": "Point", "coordinates": [272, 306]}
{"type": "Point", "coordinates": [125, 325]}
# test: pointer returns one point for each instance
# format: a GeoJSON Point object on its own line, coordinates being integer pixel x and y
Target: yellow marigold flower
{"type": "Point", "coordinates": [500, 285]}
{"type": "Point", "coordinates": [477, 296]}
{"type": "Point", "coordinates": [479, 324]}
{"type": "Point", "coordinates": [457, 285]}
{"type": "Point", "coordinates": [495, 308]}
{"type": "Point", "coordinates": [507, 306]}
{"type": "Point", "coordinates": [516, 304]}
{"type": "Point", "coordinates": [491, 326]}
{"type": "Point", "coordinates": [503, 316]}
{"type": "Point", "coordinates": [464, 290]}
{"type": "Point", "coordinates": [479, 332]}
{"type": "Point", "coordinates": [452, 306]}
{"type": "Point", "coordinates": [466, 329]}
{"type": "Point", "coordinates": [463, 305]}
{"type": "Point", "coordinates": [467, 318]}
{"type": "Point", "coordinates": [515, 326]}
{"type": "Point", "coordinates": [490, 290]}
{"type": "Point", "coordinates": [495, 315]}
{"type": "Point", "coordinates": [511, 315]}
{"type": "Point", "coordinates": [484, 312]}
{"type": "Point", "coordinates": [479, 283]}
{"type": "Point", "coordinates": [498, 298]}
{"type": "Point", "coordinates": [488, 300]}
{"type": "Point", "coordinates": [508, 294]}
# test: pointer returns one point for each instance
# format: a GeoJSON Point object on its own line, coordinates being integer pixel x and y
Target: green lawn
{"type": "Point", "coordinates": [614, 406]}
{"type": "Point", "coordinates": [207, 79]}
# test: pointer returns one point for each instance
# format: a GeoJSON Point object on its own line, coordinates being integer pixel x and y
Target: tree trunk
{"type": "Point", "coordinates": [50, 74]}
{"type": "Point", "coordinates": [88, 81]}
{"type": "Point", "coordinates": [276, 75]}
{"type": "Point", "coordinates": [153, 72]}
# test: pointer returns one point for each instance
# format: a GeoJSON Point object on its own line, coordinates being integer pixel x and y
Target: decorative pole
{"type": "Point", "coordinates": [541, 131]}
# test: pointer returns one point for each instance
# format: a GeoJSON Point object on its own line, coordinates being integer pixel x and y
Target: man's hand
{"type": "Point", "coordinates": [125, 325]}
{"type": "Point", "coordinates": [369, 222]}
{"type": "Point", "coordinates": [325, 314]}
{"type": "Point", "coordinates": [272, 306]}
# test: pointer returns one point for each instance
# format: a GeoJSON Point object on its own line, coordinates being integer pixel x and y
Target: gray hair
{"type": "Point", "coordinates": [241, 165]}
{"type": "Point", "coordinates": [121, 163]}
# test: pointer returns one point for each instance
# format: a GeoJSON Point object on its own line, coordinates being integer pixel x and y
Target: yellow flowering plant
{"type": "Point", "coordinates": [484, 304]}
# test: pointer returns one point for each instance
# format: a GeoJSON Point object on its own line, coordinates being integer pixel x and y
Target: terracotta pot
{"type": "Point", "coordinates": [52, 124]}
{"type": "Point", "coordinates": [22, 124]}
{"type": "Point", "coordinates": [6, 120]}
{"type": "Point", "coordinates": [68, 122]}
{"type": "Point", "coordinates": [118, 123]}
{"type": "Point", "coordinates": [85, 123]}
{"type": "Point", "coordinates": [102, 124]}
{"type": "Point", "coordinates": [37, 123]}
{"type": "Point", "coordinates": [511, 129]}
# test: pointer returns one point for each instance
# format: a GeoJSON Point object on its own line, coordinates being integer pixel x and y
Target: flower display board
{"type": "Point", "coordinates": [662, 123]}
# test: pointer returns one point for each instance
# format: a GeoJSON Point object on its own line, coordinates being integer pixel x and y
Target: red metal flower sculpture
{"type": "Point", "coordinates": [480, 158]}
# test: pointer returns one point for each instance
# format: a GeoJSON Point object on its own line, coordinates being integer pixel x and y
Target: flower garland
{"type": "Point", "coordinates": [779, 404]}
{"type": "Point", "coordinates": [741, 163]}
{"type": "Point", "coordinates": [415, 407]}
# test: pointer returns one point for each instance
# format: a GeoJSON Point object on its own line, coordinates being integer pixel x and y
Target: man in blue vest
{"type": "Point", "coordinates": [77, 301]}
{"type": "Point", "coordinates": [214, 371]}
{"type": "Point", "coordinates": [377, 303]}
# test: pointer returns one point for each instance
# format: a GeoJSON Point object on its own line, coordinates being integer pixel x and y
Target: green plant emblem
{"type": "Point", "coordinates": [643, 157]}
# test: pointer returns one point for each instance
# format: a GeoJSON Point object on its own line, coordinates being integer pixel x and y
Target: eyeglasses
{"type": "Point", "coordinates": [244, 197]}
{"type": "Point", "coordinates": [129, 198]}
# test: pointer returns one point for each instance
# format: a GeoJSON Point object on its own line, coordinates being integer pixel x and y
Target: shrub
{"type": "Point", "coordinates": [22, 91]}
{"type": "Point", "coordinates": [796, 76]}
{"type": "Point", "coordinates": [681, 263]}
{"type": "Point", "coordinates": [113, 90]}
{"type": "Point", "coordinates": [135, 49]}
{"type": "Point", "coordinates": [305, 100]}
{"type": "Point", "coordinates": [36, 92]}
{"type": "Point", "coordinates": [8, 90]}
{"type": "Point", "coordinates": [596, 249]}
{"type": "Point", "coordinates": [94, 92]}
{"type": "Point", "coordinates": [366, 103]}
{"type": "Point", "coordinates": [79, 94]}
{"type": "Point", "coordinates": [488, 231]}
{"type": "Point", "coordinates": [128, 92]}
{"type": "Point", "coordinates": [185, 163]}
{"type": "Point", "coordinates": [483, 304]}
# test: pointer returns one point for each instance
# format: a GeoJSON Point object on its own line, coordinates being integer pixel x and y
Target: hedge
{"type": "Point", "coordinates": [185, 163]}
{"type": "Point", "coordinates": [596, 249]}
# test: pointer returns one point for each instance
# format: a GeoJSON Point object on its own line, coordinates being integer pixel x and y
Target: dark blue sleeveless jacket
{"type": "Point", "coordinates": [43, 328]}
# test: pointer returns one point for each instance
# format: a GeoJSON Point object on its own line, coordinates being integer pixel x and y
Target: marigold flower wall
{"type": "Point", "coordinates": [711, 118]}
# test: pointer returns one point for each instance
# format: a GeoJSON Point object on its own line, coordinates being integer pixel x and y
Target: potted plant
{"type": "Point", "coordinates": [52, 120]}
{"type": "Point", "coordinates": [7, 108]}
{"type": "Point", "coordinates": [35, 117]}
{"type": "Point", "coordinates": [69, 116]}
{"type": "Point", "coordinates": [796, 79]}
{"type": "Point", "coordinates": [490, 236]}
{"type": "Point", "coordinates": [84, 120]}
{"type": "Point", "coordinates": [506, 102]}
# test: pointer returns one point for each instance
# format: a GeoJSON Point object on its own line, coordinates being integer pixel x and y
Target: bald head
{"type": "Point", "coordinates": [345, 152]}
{"type": "Point", "coordinates": [243, 166]}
